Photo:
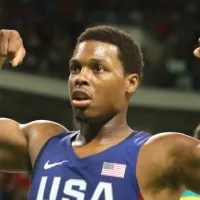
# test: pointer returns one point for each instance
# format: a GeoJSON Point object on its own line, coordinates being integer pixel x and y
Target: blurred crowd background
{"type": "Point", "coordinates": [167, 31]}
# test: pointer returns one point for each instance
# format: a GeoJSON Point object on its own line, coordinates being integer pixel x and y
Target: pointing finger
{"type": "Point", "coordinates": [18, 57]}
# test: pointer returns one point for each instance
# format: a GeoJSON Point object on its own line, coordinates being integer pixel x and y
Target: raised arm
{"type": "Point", "coordinates": [169, 164]}
{"type": "Point", "coordinates": [14, 154]}
{"type": "Point", "coordinates": [20, 144]}
{"type": "Point", "coordinates": [187, 157]}
{"type": "Point", "coordinates": [13, 144]}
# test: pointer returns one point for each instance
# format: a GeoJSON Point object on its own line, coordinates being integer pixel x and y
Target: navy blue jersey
{"type": "Point", "coordinates": [59, 174]}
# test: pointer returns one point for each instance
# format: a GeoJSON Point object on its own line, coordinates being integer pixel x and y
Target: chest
{"type": "Point", "coordinates": [96, 179]}
{"type": "Point", "coordinates": [60, 174]}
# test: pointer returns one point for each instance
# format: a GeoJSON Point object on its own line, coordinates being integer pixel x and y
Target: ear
{"type": "Point", "coordinates": [132, 83]}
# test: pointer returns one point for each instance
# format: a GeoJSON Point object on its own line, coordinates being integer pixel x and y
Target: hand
{"type": "Point", "coordinates": [11, 47]}
{"type": "Point", "coordinates": [197, 51]}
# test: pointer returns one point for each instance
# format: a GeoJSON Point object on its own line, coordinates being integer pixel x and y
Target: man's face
{"type": "Point", "coordinates": [97, 84]}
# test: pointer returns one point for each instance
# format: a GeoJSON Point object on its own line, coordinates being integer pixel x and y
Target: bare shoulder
{"type": "Point", "coordinates": [158, 156]}
{"type": "Point", "coordinates": [171, 141]}
{"type": "Point", "coordinates": [161, 148]}
{"type": "Point", "coordinates": [38, 133]}
{"type": "Point", "coordinates": [42, 127]}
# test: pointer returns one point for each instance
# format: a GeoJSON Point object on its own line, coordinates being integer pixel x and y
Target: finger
{"type": "Point", "coordinates": [18, 57]}
{"type": "Point", "coordinates": [197, 52]}
{"type": "Point", "coordinates": [3, 44]}
{"type": "Point", "coordinates": [14, 44]}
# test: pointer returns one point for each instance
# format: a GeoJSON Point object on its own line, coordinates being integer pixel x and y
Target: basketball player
{"type": "Point", "coordinates": [189, 195]}
{"type": "Point", "coordinates": [106, 159]}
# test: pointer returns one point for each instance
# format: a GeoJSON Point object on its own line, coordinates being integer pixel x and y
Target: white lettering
{"type": "Point", "coordinates": [54, 188]}
{"type": "Point", "coordinates": [68, 190]}
{"type": "Point", "coordinates": [102, 188]}
{"type": "Point", "coordinates": [43, 182]}
{"type": "Point", "coordinates": [105, 188]}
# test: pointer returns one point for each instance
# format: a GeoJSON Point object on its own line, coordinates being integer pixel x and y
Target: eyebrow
{"type": "Point", "coordinates": [92, 60]}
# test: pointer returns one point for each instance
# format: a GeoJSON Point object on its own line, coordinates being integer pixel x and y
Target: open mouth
{"type": "Point", "coordinates": [80, 99]}
{"type": "Point", "coordinates": [81, 102]}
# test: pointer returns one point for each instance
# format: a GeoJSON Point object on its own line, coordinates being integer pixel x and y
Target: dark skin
{"type": "Point", "coordinates": [168, 163]}
{"type": "Point", "coordinates": [93, 66]}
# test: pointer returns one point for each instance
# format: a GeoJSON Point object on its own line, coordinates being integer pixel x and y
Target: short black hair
{"type": "Point", "coordinates": [129, 51]}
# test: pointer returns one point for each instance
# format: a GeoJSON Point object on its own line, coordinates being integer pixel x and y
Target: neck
{"type": "Point", "coordinates": [102, 131]}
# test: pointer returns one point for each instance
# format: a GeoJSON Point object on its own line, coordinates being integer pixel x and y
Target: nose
{"type": "Point", "coordinates": [82, 78]}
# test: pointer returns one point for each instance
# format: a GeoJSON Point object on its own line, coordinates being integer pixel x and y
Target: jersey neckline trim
{"type": "Point", "coordinates": [77, 161]}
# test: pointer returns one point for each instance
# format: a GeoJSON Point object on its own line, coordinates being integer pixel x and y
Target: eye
{"type": "Point", "coordinates": [99, 68]}
{"type": "Point", "coordinates": [75, 68]}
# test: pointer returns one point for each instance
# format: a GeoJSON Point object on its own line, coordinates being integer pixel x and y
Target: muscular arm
{"type": "Point", "coordinates": [187, 155]}
{"type": "Point", "coordinates": [20, 144]}
{"type": "Point", "coordinates": [169, 163]}
{"type": "Point", "coordinates": [13, 146]}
